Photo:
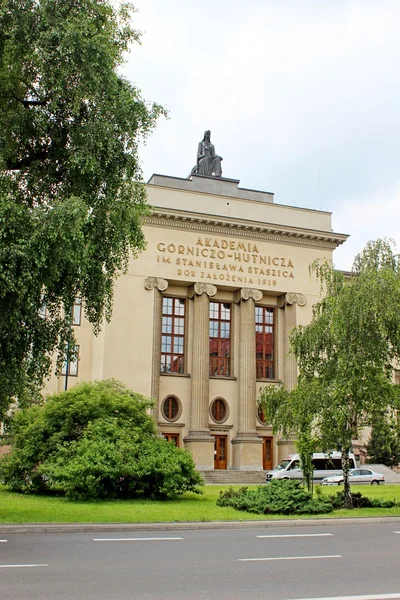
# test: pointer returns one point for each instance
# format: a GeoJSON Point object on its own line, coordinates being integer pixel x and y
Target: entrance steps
{"type": "Point", "coordinates": [232, 477]}
{"type": "Point", "coordinates": [236, 477]}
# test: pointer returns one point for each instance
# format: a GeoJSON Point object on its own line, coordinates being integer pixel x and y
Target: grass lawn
{"type": "Point", "coordinates": [21, 508]}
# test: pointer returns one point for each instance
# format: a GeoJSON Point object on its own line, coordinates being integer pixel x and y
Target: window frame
{"type": "Point", "coordinates": [179, 408]}
{"type": "Point", "coordinates": [172, 336]}
{"type": "Point", "coordinates": [268, 366]}
{"type": "Point", "coordinates": [226, 408]}
{"type": "Point", "coordinates": [172, 437]}
{"type": "Point", "coordinates": [71, 363]}
{"type": "Point", "coordinates": [261, 417]}
{"type": "Point", "coordinates": [77, 303]}
{"type": "Point", "coordinates": [220, 362]}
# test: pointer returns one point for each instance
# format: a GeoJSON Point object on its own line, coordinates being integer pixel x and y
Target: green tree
{"type": "Point", "coordinates": [384, 443]}
{"type": "Point", "coordinates": [71, 192]}
{"type": "Point", "coordinates": [346, 354]}
{"type": "Point", "coordinates": [292, 416]}
{"type": "Point", "coordinates": [96, 440]}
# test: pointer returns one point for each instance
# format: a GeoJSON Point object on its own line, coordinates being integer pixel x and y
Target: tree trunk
{"type": "Point", "coordinates": [308, 469]}
{"type": "Point", "coordinates": [348, 500]}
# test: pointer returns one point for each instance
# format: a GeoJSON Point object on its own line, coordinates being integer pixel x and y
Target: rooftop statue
{"type": "Point", "coordinates": [208, 163]}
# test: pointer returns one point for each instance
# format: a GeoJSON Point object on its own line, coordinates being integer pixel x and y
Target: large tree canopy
{"type": "Point", "coordinates": [346, 354]}
{"type": "Point", "coordinates": [71, 191]}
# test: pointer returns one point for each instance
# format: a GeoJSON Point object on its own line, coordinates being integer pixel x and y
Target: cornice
{"type": "Point", "coordinates": [223, 226]}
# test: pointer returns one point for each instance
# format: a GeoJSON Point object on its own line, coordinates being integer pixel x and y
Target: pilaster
{"type": "Point", "coordinates": [199, 441]}
{"type": "Point", "coordinates": [246, 445]}
{"type": "Point", "coordinates": [159, 286]}
{"type": "Point", "coordinates": [289, 302]}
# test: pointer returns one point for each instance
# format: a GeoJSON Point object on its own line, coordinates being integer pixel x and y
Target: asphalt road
{"type": "Point", "coordinates": [280, 563]}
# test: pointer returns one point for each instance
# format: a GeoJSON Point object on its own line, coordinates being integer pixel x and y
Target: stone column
{"type": "Point", "coordinates": [247, 452]}
{"type": "Point", "coordinates": [158, 285]}
{"type": "Point", "coordinates": [289, 303]}
{"type": "Point", "coordinates": [199, 441]}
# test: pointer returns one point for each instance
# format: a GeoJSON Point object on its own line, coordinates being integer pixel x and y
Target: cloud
{"type": "Point", "coordinates": [301, 97]}
{"type": "Point", "coordinates": [369, 219]}
{"type": "Point", "coordinates": [297, 95]}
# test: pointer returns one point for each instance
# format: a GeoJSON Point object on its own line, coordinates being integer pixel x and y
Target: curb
{"type": "Point", "coordinates": [40, 528]}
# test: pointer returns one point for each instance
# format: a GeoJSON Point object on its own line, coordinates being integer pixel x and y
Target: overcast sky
{"type": "Point", "coordinates": [302, 98]}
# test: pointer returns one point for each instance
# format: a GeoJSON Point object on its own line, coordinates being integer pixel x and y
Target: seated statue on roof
{"type": "Point", "coordinates": [208, 163]}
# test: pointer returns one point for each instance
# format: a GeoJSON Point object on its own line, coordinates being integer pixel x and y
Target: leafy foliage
{"type": "Point", "coordinates": [71, 191]}
{"type": "Point", "coordinates": [291, 415]}
{"type": "Point", "coordinates": [346, 354]}
{"type": "Point", "coordinates": [275, 498]}
{"type": "Point", "coordinates": [383, 446]}
{"type": "Point", "coordinates": [290, 498]}
{"type": "Point", "coordinates": [95, 441]}
{"type": "Point", "coordinates": [360, 501]}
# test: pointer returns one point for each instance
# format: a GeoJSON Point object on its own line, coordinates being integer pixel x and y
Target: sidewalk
{"type": "Point", "coordinates": [40, 528]}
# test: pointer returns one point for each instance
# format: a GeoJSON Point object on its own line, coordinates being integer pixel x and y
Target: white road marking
{"type": "Point", "coordinates": [368, 597]}
{"type": "Point", "coordinates": [291, 558]}
{"type": "Point", "coordinates": [3, 541]}
{"type": "Point", "coordinates": [296, 535]}
{"type": "Point", "coordinates": [20, 566]}
{"type": "Point", "coordinates": [396, 531]}
{"type": "Point", "coordinates": [139, 539]}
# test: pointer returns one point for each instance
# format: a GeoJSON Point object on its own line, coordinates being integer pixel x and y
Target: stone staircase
{"type": "Point", "coordinates": [232, 477]}
{"type": "Point", "coordinates": [236, 477]}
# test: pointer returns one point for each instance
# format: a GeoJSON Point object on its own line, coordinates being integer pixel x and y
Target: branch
{"type": "Point", "coordinates": [28, 103]}
{"type": "Point", "coordinates": [27, 160]}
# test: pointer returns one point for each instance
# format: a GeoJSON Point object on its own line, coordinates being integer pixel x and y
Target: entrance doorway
{"type": "Point", "coordinates": [267, 454]}
{"type": "Point", "coordinates": [220, 451]}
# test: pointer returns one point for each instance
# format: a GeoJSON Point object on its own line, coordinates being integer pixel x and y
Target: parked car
{"type": "Point", "coordinates": [356, 476]}
{"type": "Point", "coordinates": [324, 464]}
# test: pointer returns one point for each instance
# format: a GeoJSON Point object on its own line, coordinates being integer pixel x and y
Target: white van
{"type": "Point", "coordinates": [325, 465]}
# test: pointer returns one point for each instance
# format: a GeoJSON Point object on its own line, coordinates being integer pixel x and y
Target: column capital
{"type": "Point", "coordinates": [202, 288]}
{"type": "Point", "coordinates": [291, 298]}
{"type": "Point", "coordinates": [151, 283]}
{"type": "Point", "coordinates": [247, 293]}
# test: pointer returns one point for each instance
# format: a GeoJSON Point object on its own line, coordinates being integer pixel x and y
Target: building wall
{"type": "Point", "coordinates": [210, 241]}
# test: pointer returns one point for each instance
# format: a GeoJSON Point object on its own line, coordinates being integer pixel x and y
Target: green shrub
{"type": "Point", "coordinates": [277, 497]}
{"type": "Point", "coordinates": [360, 501]}
{"type": "Point", "coordinates": [95, 441]}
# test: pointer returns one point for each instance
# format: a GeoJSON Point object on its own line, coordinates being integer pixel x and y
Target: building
{"type": "Point", "coordinates": [202, 318]}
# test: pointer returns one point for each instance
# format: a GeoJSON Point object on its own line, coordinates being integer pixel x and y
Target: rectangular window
{"type": "Point", "coordinates": [71, 365]}
{"type": "Point", "coordinates": [172, 437]}
{"type": "Point", "coordinates": [397, 376]}
{"type": "Point", "coordinates": [265, 342]}
{"type": "Point", "coordinates": [77, 311]}
{"type": "Point", "coordinates": [173, 335]}
{"type": "Point", "coordinates": [43, 309]}
{"type": "Point", "coordinates": [220, 339]}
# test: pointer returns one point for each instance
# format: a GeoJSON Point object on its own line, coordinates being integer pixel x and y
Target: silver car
{"type": "Point", "coordinates": [356, 476]}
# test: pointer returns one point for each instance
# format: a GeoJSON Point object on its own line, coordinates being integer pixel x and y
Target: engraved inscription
{"type": "Point", "coordinates": [221, 259]}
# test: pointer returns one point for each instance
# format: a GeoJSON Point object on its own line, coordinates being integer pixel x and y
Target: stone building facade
{"type": "Point", "coordinates": [202, 318]}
